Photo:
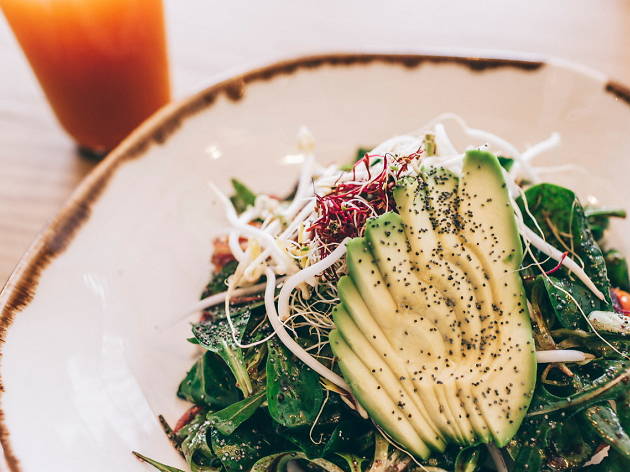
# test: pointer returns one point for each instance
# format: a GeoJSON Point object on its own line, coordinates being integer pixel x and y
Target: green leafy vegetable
{"type": "Point", "coordinates": [194, 444]}
{"type": "Point", "coordinates": [294, 394]}
{"type": "Point", "coordinates": [470, 459]}
{"type": "Point", "coordinates": [506, 162]}
{"type": "Point", "coordinates": [216, 336]}
{"type": "Point", "coordinates": [604, 422]}
{"type": "Point", "coordinates": [623, 409]}
{"type": "Point", "coordinates": [561, 218]}
{"type": "Point", "coordinates": [158, 465]}
{"type": "Point", "coordinates": [217, 283]}
{"type": "Point", "coordinates": [278, 463]}
{"type": "Point", "coordinates": [563, 295]}
{"type": "Point", "coordinates": [599, 219]}
{"type": "Point", "coordinates": [549, 435]}
{"type": "Point", "coordinates": [209, 383]}
{"type": "Point", "coordinates": [591, 343]}
{"type": "Point", "coordinates": [355, 463]}
{"type": "Point", "coordinates": [251, 441]}
{"type": "Point", "coordinates": [528, 446]}
{"type": "Point", "coordinates": [336, 430]}
{"type": "Point", "coordinates": [243, 196]}
{"type": "Point", "coordinates": [617, 268]}
{"type": "Point", "coordinates": [352, 434]}
{"type": "Point", "coordinates": [569, 446]}
{"type": "Point", "coordinates": [608, 385]}
{"type": "Point", "coordinates": [614, 462]}
{"type": "Point", "coordinates": [553, 441]}
{"type": "Point", "coordinates": [230, 418]}
{"type": "Point", "coordinates": [609, 212]}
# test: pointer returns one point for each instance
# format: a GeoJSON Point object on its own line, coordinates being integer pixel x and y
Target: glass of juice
{"type": "Point", "coordinates": [102, 63]}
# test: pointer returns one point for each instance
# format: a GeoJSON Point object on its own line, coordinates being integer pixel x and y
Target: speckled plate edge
{"type": "Point", "coordinates": [21, 286]}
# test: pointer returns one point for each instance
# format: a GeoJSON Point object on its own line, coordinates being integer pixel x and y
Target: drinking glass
{"type": "Point", "coordinates": [101, 63]}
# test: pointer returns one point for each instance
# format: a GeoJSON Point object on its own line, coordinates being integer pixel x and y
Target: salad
{"type": "Point", "coordinates": [423, 308]}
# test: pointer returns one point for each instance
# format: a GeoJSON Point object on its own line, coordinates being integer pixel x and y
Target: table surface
{"type": "Point", "coordinates": [38, 164]}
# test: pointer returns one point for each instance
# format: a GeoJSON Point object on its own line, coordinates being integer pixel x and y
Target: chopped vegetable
{"type": "Point", "coordinates": [243, 197]}
{"type": "Point", "coordinates": [617, 268]}
{"type": "Point", "coordinates": [231, 417]}
{"type": "Point", "coordinates": [294, 395]}
{"type": "Point", "coordinates": [209, 383]}
{"type": "Point", "coordinates": [217, 337]}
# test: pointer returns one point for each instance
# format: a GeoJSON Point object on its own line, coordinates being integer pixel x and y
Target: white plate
{"type": "Point", "coordinates": [86, 369]}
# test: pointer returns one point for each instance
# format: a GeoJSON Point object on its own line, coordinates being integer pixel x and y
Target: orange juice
{"type": "Point", "coordinates": [102, 63]}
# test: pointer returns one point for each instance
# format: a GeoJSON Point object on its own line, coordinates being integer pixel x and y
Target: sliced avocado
{"type": "Point", "coordinates": [388, 242]}
{"type": "Point", "coordinates": [433, 334]}
{"type": "Point", "coordinates": [399, 389]}
{"type": "Point", "coordinates": [490, 232]}
{"type": "Point", "coordinates": [380, 406]}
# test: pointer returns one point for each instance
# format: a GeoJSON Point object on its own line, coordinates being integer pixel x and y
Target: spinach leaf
{"type": "Point", "coordinates": [469, 459]}
{"type": "Point", "coordinates": [604, 422]}
{"type": "Point", "coordinates": [571, 446]}
{"type": "Point", "coordinates": [563, 295]}
{"type": "Point", "coordinates": [209, 383]}
{"type": "Point", "coordinates": [217, 312]}
{"type": "Point", "coordinates": [216, 336]}
{"type": "Point", "coordinates": [614, 462]}
{"type": "Point", "coordinates": [243, 196]}
{"type": "Point", "coordinates": [591, 343]}
{"type": "Point", "coordinates": [617, 268]}
{"type": "Point", "coordinates": [599, 219]}
{"type": "Point", "coordinates": [540, 313]}
{"type": "Point", "coordinates": [158, 465]}
{"type": "Point", "coordinates": [337, 430]}
{"type": "Point", "coordinates": [563, 222]}
{"type": "Point", "coordinates": [300, 439]}
{"type": "Point", "coordinates": [294, 394]}
{"type": "Point", "coordinates": [257, 329]}
{"type": "Point", "coordinates": [230, 418]}
{"type": "Point", "coordinates": [506, 162]}
{"type": "Point", "coordinates": [275, 462]}
{"type": "Point", "coordinates": [217, 283]}
{"type": "Point", "coordinates": [611, 383]}
{"type": "Point", "coordinates": [352, 434]}
{"type": "Point", "coordinates": [278, 463]}
{"type": "Point", "coordinates": [251, 441]}
{"type": "Point", "coordinates": [529, 445]}
{"type": "Point", "coordinates": [354, 462]}
{"type": "Point", "coordinates": [195, 447]}
{"type": "Point", "coordinates": [549, 436]}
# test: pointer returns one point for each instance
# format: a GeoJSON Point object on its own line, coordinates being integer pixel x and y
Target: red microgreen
{"type": "Point", "coordinates": [344, 211]}
{"type": "Point", "coordinates": [557, 267]}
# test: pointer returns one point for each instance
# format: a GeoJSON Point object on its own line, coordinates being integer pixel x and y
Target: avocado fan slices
{"type": "Point", "coordinates": [432, 331]}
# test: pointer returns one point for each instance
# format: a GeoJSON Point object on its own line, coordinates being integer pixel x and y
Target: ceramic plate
{"type": "Point", "coordinates": [91, 354]}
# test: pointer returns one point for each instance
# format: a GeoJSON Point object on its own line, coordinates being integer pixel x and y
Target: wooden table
{"type": "Point", "coordinates": [38, 164]}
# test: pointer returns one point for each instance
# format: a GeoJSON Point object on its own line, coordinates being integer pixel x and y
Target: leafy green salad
{"type": "Point", "coordinates": [422, 308]}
